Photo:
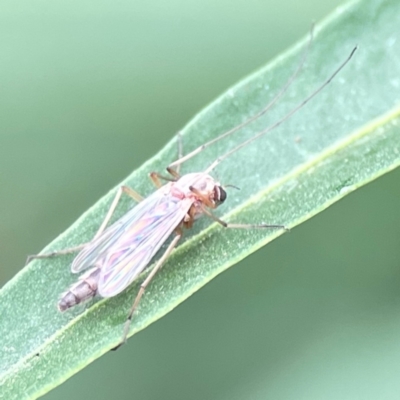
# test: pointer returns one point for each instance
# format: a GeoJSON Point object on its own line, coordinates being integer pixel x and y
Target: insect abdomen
{"type": "Point", "coordinates": [83, 290]}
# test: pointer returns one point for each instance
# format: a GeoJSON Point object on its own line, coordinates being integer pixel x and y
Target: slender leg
{"type": "Point", "coordinates": [206, 201]}
{"type": "Point", "coordinates": [241, 226]}
{"type": "Point", "coordinates": [174, 173]}
{"type": "Point", "coordinates": [55, 253]}
{"type": "Point", "coordinates": [156, 178]}
{"type": "Point", "coordinates": [123, 189]}
{"type": "Point", "coordinates": [143, 286]}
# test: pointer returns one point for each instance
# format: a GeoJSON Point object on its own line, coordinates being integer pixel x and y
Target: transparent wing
{"type": "Point", "coordinates": [125, 248]}
{"type": "Point", "coordinates": [91, 253]}
{"type": "Point", "coordinates": [127, 258]}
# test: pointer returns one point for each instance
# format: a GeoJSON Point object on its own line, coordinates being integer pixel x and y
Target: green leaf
{"type": "Point", "coordinates": [346, 137]}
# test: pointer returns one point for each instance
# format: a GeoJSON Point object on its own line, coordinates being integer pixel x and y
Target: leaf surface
{"type": "Point", "coordinates": [346, 137]}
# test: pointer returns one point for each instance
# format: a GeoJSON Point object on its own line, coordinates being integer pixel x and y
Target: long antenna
{"type": "Point", "coordinates": [256, 116]}
{"type": "Point", "coordinates": [287, 116]}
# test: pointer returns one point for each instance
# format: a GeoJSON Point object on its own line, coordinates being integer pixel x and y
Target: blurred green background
{"type": "Point", "coordinates": [89, 91]}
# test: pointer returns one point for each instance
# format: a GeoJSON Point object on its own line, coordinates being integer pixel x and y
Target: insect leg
{"type": "Point", "coordinates": [241, 226]}
{"type": "Point", "coordinates": [156, 178]}
{"type": "Point", "coordinates": [143, 286]}
{"type": "Point", "coordinates": [55, 253]}
{"type": "Point", "coordinates": [123, 189]}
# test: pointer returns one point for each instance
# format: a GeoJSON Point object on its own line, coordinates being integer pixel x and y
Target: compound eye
{"type": "Point", "coordinates": [219, 195]}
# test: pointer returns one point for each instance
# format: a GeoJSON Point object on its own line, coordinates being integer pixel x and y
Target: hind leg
{"type": "Point", "coordinates": [123, 189]}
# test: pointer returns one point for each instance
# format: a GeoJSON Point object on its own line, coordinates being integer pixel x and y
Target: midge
{"type": "Point", "coordinates": [117, 254]}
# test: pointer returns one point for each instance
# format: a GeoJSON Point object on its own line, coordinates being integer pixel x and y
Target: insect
{"type": "Point", "coordinates": [119, 253]}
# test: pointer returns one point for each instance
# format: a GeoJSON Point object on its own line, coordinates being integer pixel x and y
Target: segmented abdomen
{"type": "Point", "coordinates": [83, 290]}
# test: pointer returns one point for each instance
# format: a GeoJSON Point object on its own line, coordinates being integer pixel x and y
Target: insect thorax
{"type": "Point", "coordinates": [202, 188]}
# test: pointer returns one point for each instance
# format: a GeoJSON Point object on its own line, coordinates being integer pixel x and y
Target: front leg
{"type": "Point", "coordinates": [241, 226]}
